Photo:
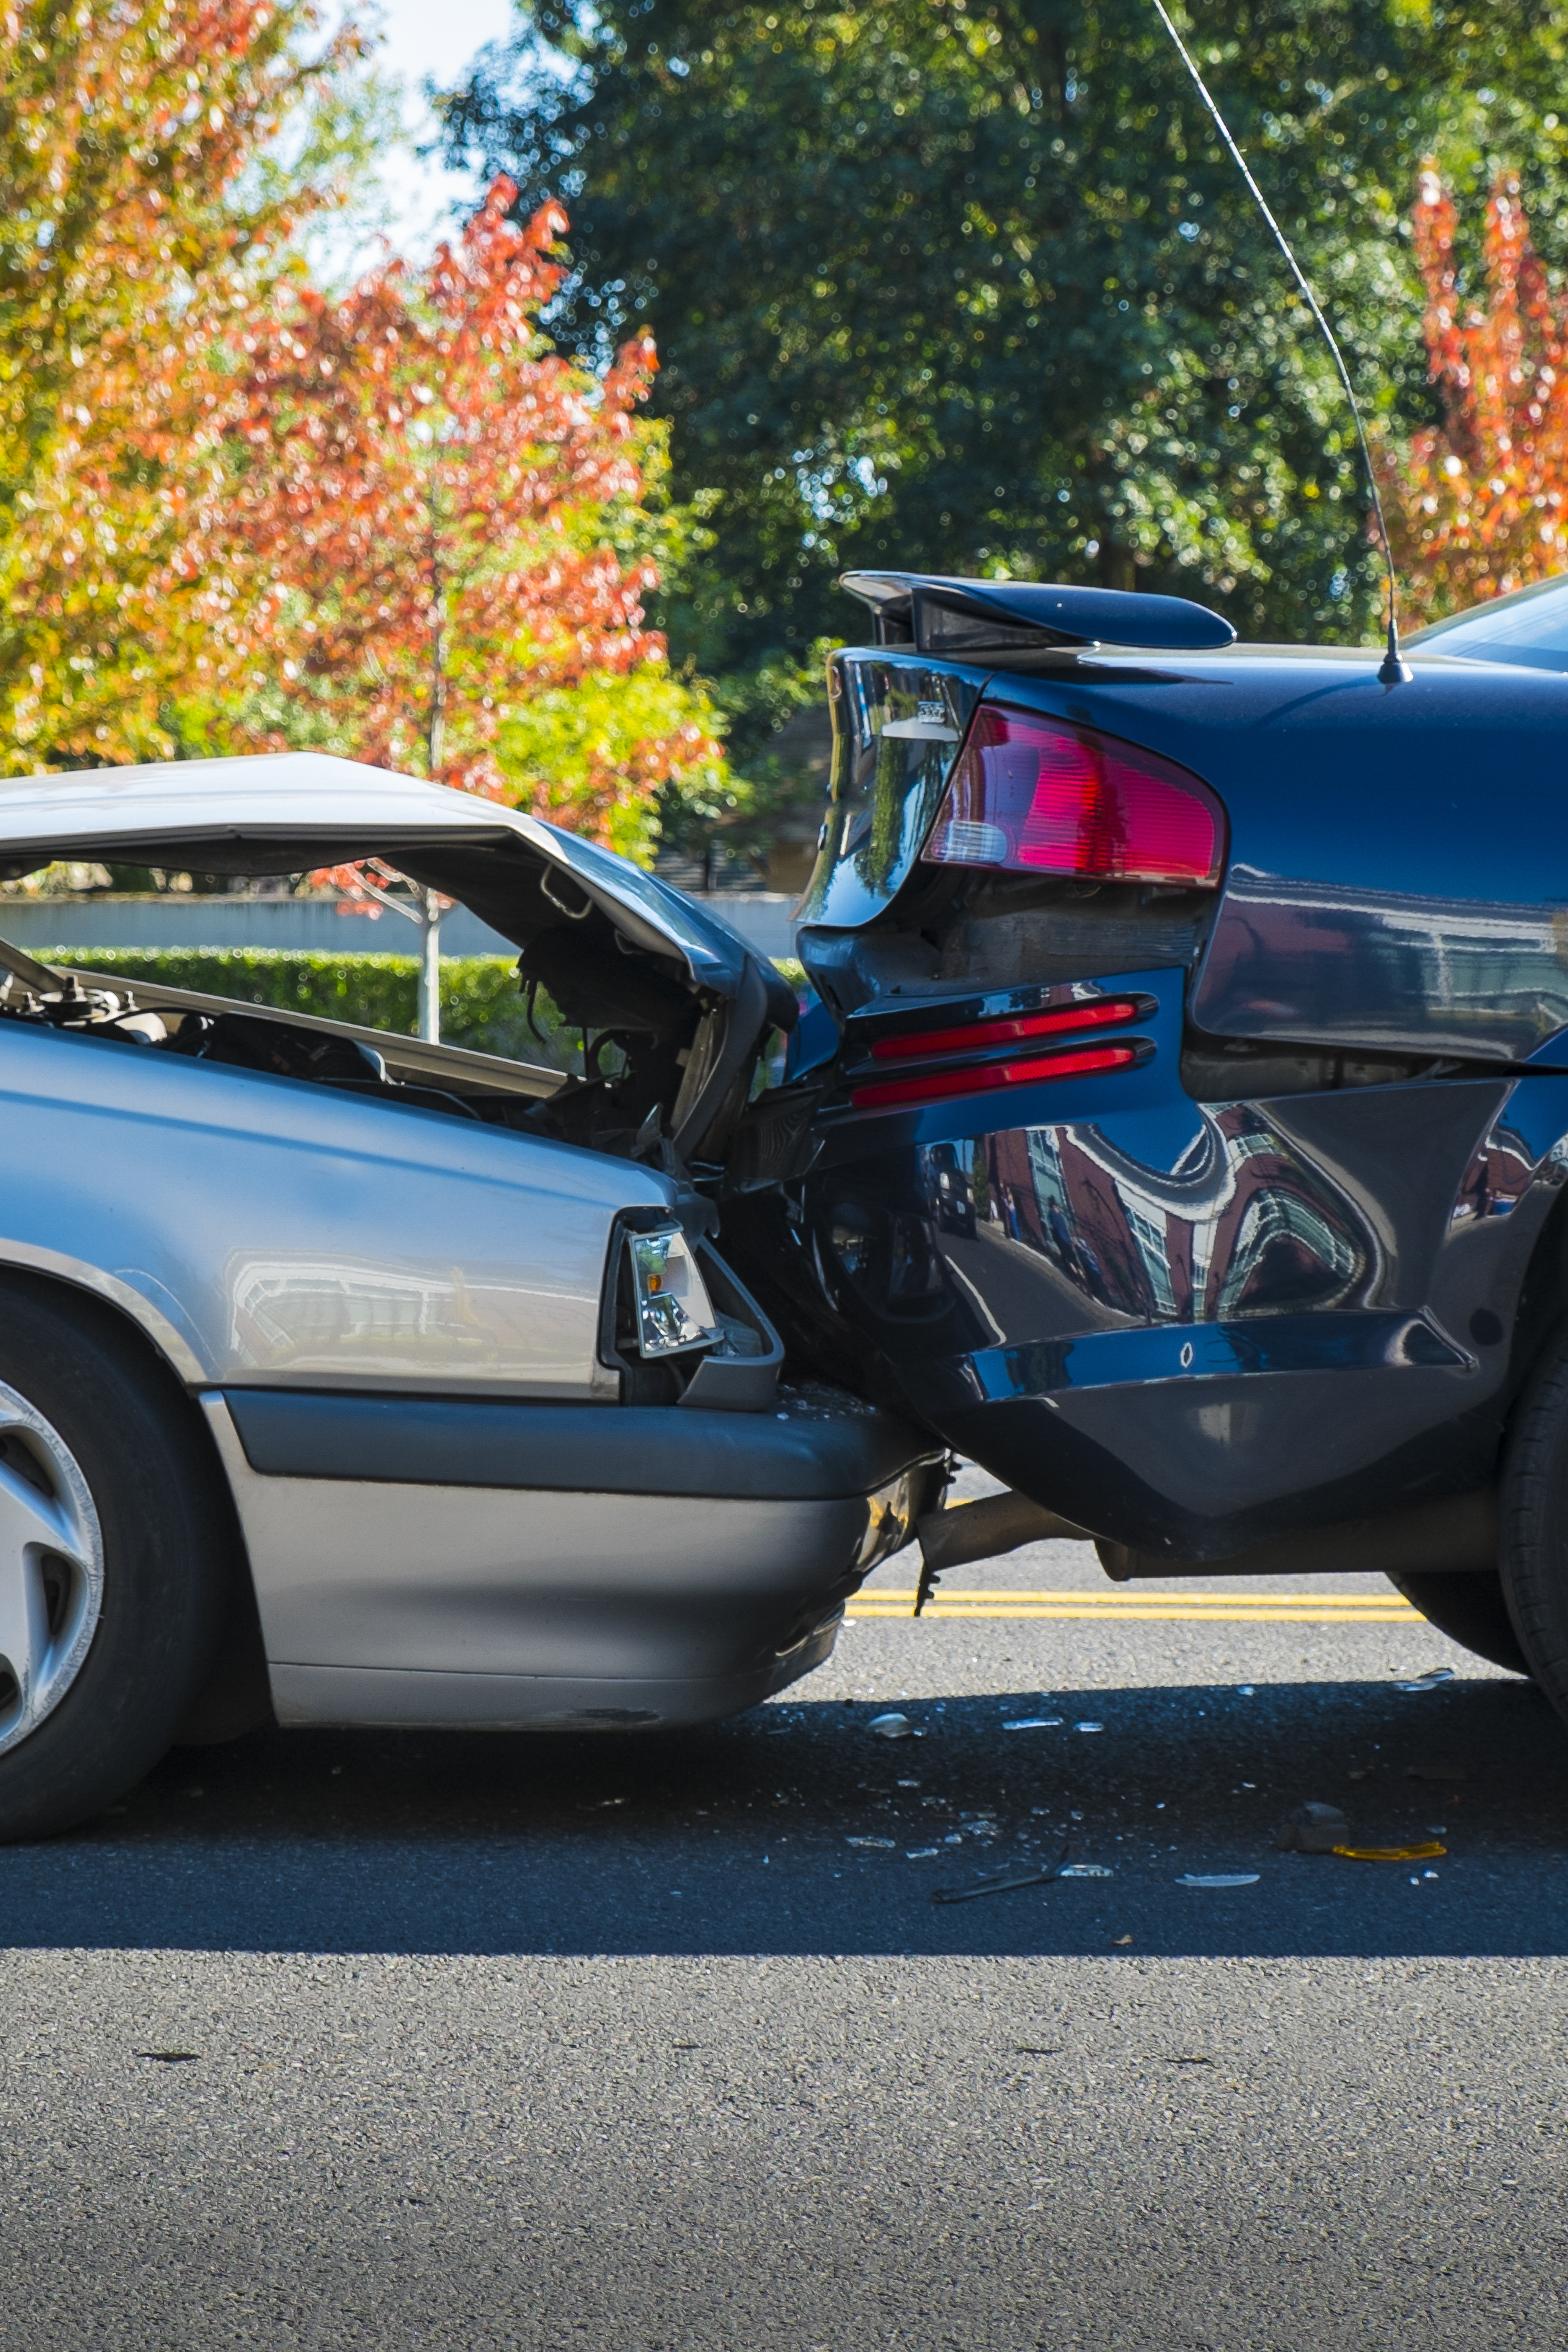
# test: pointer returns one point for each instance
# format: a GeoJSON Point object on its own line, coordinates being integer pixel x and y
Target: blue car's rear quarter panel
{"type": "Point", "coordinates": [1397, 875]}
{"type": "Point", "coordinates": [1189, 1325]}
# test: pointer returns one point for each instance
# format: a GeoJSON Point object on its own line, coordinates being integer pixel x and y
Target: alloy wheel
{"type": "Point", "coordinates": [51, 1569]}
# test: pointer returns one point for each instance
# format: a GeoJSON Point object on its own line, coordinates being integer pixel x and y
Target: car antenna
{"type": "Point", "coordinates": [1393, 670]}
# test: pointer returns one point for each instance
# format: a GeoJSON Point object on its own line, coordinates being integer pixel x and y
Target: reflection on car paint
{"type": "Point", "coordinates": [331, 1315]}
{"type": "Point", "coordinates": [1241, 1225]}
{"type": "Point", "coordinates": [900, 725]}
{"type": "Point", "coordinates": [1315, 962]}
{"type": "Point", "coordinates": [1501, 1171]}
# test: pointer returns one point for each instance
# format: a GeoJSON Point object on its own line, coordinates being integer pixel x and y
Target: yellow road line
{"type": "Point", "coordinates": [947, 1594]}
{"type": "Point", "coordinates": [1146, 1608]}
{"type": "Point", "coordinates": [1392, 1616]}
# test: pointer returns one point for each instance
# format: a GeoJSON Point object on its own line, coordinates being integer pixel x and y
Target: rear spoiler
{"type": "Point", "coordinates": [963, 618]}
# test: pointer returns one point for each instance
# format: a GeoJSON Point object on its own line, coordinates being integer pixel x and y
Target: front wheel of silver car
{"type": "Point", "coordinates": [114, 1555]}
{"type": "Point", "coordinates": [51, 1568]}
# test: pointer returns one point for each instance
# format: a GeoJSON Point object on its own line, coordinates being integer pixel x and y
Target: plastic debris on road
{"type": "Point", "coordinates": [1426, 1852]}
{"type": "Point", "coordinates": [992, 1886]}
{"type": "Point", "coordinates": [1432, 1679]}
{"type": "Point", "coordinates": [924, 1853]}
{"type": "Point", "coordinates": [1088, 1726]}
{"type": "Point", "coordinates": [1219, 1878]}
{"type": "Point", "coordinates": [1084, 1869]}
{"type": "Point", "coordinates": [1119, 1940]}
{"type": "Point", "coordinates": [1312, 1829]}
{"type": "Point", "coordinates": [889, 1846]}
{"type": "Point", "coordinates": [1036, 1723]}
{"type": "Point", "coordinates": [894, 1727]}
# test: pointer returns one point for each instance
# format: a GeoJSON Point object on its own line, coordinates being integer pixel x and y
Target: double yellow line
{"type": "Point", "coordinates": [1149, 1608]}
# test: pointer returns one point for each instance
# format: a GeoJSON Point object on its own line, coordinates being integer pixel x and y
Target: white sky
{"type": "Point", "coordinates": [436, 39]}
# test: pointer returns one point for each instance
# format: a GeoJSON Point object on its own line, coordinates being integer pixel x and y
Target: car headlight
{"type": "Point", "coordinates": [673, 1309]}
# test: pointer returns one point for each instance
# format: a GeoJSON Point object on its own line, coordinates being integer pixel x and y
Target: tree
{"type": "Point", "coordinates": [137, 220]}
{"type": "Point", "coordinates": [969, 285]}
{"type": "Point", "coordinates": [1478, 504]}
{"type": "Point", "coordinates": [455, 522]}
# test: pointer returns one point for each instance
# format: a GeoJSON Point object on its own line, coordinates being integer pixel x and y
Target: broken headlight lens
{"type": "Point", "coordinates": [670, 1296]}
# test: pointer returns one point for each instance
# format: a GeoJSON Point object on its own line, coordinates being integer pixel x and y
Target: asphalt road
{"type": "Point", "coordinates": [663, 2045]}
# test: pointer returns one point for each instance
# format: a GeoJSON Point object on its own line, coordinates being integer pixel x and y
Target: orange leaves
{"type": "Point", "coordinates": [123, 253]}
{"type": "Point", "coordinates": [450, 510]}
{"type": "Point", "coordinates": [1479, 505]}
{"type": "Point", "coordinates": [235, 513]}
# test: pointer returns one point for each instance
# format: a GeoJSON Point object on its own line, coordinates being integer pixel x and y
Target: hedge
{"type": "Point", "coordinates": [481, 1005]}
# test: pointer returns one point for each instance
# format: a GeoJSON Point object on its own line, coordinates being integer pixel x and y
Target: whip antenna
{"type": "Point", "coordinates": [1393, 671]}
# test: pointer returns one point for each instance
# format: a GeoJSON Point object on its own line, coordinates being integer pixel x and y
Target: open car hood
{"type": "Point", "coordinates": [619, 953]}
{"type": "Point", "coordinates": [290, 811]}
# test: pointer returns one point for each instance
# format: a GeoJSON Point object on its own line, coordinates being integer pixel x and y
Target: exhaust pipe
{"type": "Point", "coordinates": [971, 1531]}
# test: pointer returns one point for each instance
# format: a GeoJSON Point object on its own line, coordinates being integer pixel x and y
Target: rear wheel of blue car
{"type": "Point", "coordinates": [1535, 1524]}
{"type": "Point", "coordinates": [114, 1546]}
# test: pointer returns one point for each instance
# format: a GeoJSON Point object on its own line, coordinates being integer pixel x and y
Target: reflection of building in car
{"type": "Point", "coordinates": [951, 1198]}
{"type": "Point", "coordinates": [1240, 1225]}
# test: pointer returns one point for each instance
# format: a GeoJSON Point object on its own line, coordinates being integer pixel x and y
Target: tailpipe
{"type": "Point", "coordinates": [965, 1532]}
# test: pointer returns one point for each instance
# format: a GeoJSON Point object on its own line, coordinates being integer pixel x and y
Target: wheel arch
{"type": "Point", "coordinates": [236, 1696]}
{"type": "Point", "coordinates": [1541, 1301]}
{"type": "Point", "coordinates": [165, 1326]}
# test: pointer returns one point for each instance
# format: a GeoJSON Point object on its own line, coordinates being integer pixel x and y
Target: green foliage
{"type": "Point", "coordinates": [739, 804]}
{"type": "Point", "coordinates": [970, 285]}
{"type": "Point", "coordinates": [555, 747]}
{"type": "Point", "coordinates": [481, 1006]}
{"type": "Point", "coordinates": [157, 157]}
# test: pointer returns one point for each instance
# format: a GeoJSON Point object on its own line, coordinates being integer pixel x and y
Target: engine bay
{"type": "Point", "coordinates": [636, 1061]}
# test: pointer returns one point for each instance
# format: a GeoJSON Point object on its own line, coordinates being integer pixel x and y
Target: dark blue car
{"type": "Point", "coordinates": [1189, 1146]}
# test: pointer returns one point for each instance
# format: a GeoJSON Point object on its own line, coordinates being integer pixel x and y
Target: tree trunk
{"type": "Point", "coordinates": [429, 904]}
{"type": "Point", "coordinates": [437, 722]}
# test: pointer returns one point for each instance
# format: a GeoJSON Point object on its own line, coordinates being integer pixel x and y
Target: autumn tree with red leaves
{"type": "Point", "coordinates": [455, 525]}
{"type": "Point", "coordinates": [127, 246]}
{"type": "Point", "coordinates": [1479, 505]}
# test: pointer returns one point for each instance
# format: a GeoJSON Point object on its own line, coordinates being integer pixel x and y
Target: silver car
{"type": "Point", "coordinates": [350, 1379]}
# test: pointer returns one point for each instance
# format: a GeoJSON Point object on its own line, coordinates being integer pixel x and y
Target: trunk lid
{"type": "Point", "coordinates": [621, 954]}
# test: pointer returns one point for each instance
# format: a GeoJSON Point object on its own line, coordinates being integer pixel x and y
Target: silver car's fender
{"type": "Point", "coordinates": [123, 1291]}
{"type": "Point", "coordinates": [265, 1231]}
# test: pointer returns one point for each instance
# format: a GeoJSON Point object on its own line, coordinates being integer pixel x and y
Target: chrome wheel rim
{"type": "Point", "coordinates": [51, 1569]}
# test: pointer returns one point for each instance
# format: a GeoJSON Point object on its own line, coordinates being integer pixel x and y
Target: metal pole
{"type": "Point", "coordinates": [430, 967]}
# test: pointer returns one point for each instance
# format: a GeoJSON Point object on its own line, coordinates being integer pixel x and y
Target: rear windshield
{"type": "Point", "coordinates": [1530, 628]}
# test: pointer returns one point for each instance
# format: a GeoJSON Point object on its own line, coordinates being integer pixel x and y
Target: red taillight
{"type": "Point", "coordinates": [1035, 795]}
{"type": "Point", "coordinates": [1017, 1029]}
{"type": "Point", "coordinates": [885, 1094]}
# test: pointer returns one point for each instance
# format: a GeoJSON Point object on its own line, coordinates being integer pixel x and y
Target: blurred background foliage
{"type": "Point", "coordinates": [969, 285]}
{"type": "Point", "coordinates": [481, 1005]}
{"type": "Point", "coordinates": [958, 285]}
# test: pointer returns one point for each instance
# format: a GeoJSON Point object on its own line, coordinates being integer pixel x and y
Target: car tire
{"type": "Point", "coordinates": [116, 1554]}
{"type": "Point", "coordinates": [1534, 1522]}
{"type": "Point", "coordinates": [1470, 1609]}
